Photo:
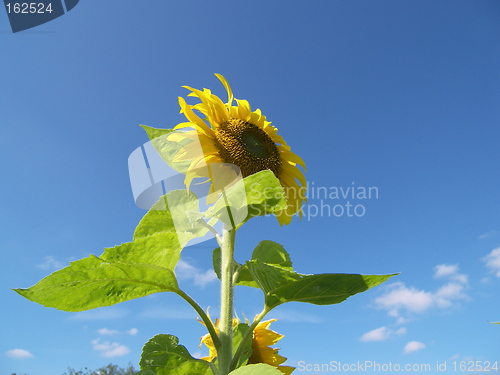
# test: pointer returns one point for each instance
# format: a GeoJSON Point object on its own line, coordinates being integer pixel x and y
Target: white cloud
{"type": "Point", "coordinates": [445, 270]}
{"type": "Point", "coordinates": [399, 299]}
{"type": "Point", "coordinates": [448, 293]}
{"type": "Point", "coordinates": [493, 261]}
{"type": "Point", "coordinates": [110, 332]}
{"type": "Point", "coordinates": [413, 346]}
{"type": "Point", "coordinates": [133, 331]}
{"type": "Point", "coordinates": [105, 331]}
{"type": "Point", "coordinates": [109, 350]}
{"type": "Point", "coordinates": [19, 354]}
{"type": "Point", "coordinates": [50, 263]}
{"type": "Point", "coordinates": [487, 234]}
{"type": "Point", "coordinates": [451, 271]}
{"type": "Point", "coordinates": [186, 271]}
{"type": "Point", "coordinates": [380, 334]}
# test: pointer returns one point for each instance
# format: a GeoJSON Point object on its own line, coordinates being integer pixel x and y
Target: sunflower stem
{"type": "Point", "coordinates": [224, 354]}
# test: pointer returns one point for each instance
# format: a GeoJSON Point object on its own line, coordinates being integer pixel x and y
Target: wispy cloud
{"type": "Point", "coordinates": [19, 354]}
{"type": "Point", "coordinates": [133, 331]}
{"type": "Point", "coordinates": [107, 332]}
{"type": "Point", "coordinates": [491, 233]}
{"type": "Point", "coordinates": [492, 261]}
{"type": "Point", "coordinates": [51, 264]}
{"type": "Point", "coordinates": [413, 346]}
{"type": "Point", "coordinates": [399, 299]}
{"type": "Point", "coordinates": [186, 271]}
{"type": "Point", "coordinates": [448, 293]}
{"type": "Point", "coordinates": [451, 271]}
{"type": "Point", "coordinates": [111, 332]}
{"type": "Point", "coordinates": [109, 349]}
{"type": "Point", "coordinates": [381, 334]}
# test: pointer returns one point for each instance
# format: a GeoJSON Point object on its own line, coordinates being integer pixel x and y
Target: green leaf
{"type": "Point", "coordinates": [176, 212]}
{"type": "Point", "coordinates": [155, 132]}
{"type": "Point", "coordinates": [94, 282]}
{"type": "Point", "coordinates": [238, 334]}
{"type": "Point", "coordinates": [160, 249]}
{"type": "Point", "coordinates": [164, 356]}
{"type": "Point", "coordinates": [281, 285]}
{"type": "Point", "coordinates": [268, 252]}
{"type": "Point", "coordinates": [216, 261]}
{"type": "Point", "coordinates": [256, 195]}
{"type": "Point", "coordinates": [167, 149]}
{"type": "Point", "coordinates": [256, 369]}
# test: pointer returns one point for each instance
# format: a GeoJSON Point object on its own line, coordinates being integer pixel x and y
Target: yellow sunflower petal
{"type": "Point", "coordinates": [244, 111]}
{"type": "Point", "coordinates": [230, 96]}
{"type": "Point", "coordinates": [294, 158]}
{"type": "Point", "coordinates": [291, 171]}
{"type": "Point", "coordinates": [191, 116]}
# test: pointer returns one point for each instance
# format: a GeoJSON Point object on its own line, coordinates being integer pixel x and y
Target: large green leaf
{"type": "Point", "coordinates": [94, 282]}
{"type": "Point", "coordinates": [124, 272]}
{"type": "Point", "coordinates": [256, 369]}
{"type": "Point", "coordinates": [266, 251]}
{"type": "Point", "coordinates": [256, 195]}
{"type": "Point", "coordinates": [176, 212]}
{"type": "Point", "coordinates": [160, 249]}
{"type": "Point", "coordinates": [164, 356]}
{"type": "Point", "coordinates": [281, 285]}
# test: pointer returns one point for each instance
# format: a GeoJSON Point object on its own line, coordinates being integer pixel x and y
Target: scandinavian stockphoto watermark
{"type": "Point", "coordinates": [152, 175]}
{"type": "Point", "coordinates": [155, 170]}
{"type": "Point", "coordinates": [338, 201]}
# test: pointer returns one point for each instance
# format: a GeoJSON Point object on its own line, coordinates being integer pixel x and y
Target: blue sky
{"type": "Point", "coordinates": [398, 95]}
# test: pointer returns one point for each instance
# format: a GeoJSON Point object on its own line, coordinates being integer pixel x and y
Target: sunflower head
{"type": "Point", "coordinates": [236, 135]}
{"type": "Point", "coordinates": [262, 339]}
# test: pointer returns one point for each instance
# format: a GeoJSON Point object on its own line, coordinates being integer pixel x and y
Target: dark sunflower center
{"type": "Point", "coordinates": [248, 146]}
{"type": "Point", "coordinates": [256, 144]}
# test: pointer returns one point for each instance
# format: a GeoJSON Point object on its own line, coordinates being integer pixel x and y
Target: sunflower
{"type": "Point", "coordinates": [234, 134]}
{"type": "Point", "coordinates": [262, 339]}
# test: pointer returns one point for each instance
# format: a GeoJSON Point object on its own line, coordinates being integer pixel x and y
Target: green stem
{"type": "Point", "coordinates": [248, 336]}
{"type": "Point", "coordinates": [204, 317]}
{"type": "Point", "coordinates": [224, 354]}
